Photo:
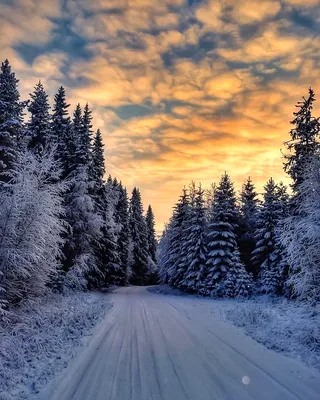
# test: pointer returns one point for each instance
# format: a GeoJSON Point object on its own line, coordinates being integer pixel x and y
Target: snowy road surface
{"type": "Point", "coordinates": [153, 347]}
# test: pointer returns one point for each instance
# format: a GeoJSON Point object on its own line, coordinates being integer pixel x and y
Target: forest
{"type": "Point", "coordinates": [62, 226]}
{"type": "Point", "coordinates": [222, 245]}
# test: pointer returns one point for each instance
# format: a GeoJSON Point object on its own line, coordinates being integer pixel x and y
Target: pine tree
{"type": "Point", "coordinates": [238, 282]}
{"type": "Point", "coordinates": [151, 234]}
{"type": "Point", "coordinates": [221, 234]}
{"type": "Point", "coordinates": [11, 115]}
{"type": "Point", "coordinates": [300, 237]}
{"type": "Point", "coordinates": [39, 123]}
{"type": "Point", "coordinates": [249, 208]}
{"type": "Point", "coordinates": [265, 257]}
{"type": "Point", "coordinates": [196, 247]}
{"type": "Point", "coordinates": [98, 162]}
{"type": "Point", "coordinates": [61, 137]}
{"type": "Point", "coordinates": [304, 143]}
{"type": "Point", "coordinates": [138, 230]}
{"type": "Point", "coordinates": [177, 258]}
{"type": "Point", "coordinates": [123, 235]}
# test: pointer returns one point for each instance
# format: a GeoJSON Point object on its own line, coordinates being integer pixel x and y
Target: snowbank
{"type": "Point", "coordinates": [43, 338]}
{"type": "Point", "coordinates": [286, 326]}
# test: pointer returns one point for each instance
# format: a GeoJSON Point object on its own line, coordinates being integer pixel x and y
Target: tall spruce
{"type": "Point", "coordinates": [39, 123]}
{"type": "Point", "coordinates": [249, 208]}
{"type": "Point", "coordinates": [123, 235]}
{"type": "Point", "coordinates": [304, 143]}
{"type": "Point", "coordinates": [11, 116]}
{"type": "Point", "coordinates": [61, 137]}
{"type": "Point", "coordinates": [265, 257]}
{"type": "Point", "coordinates": [151, 234]}
{"type": "Point", "coordinates": [138, 230]}
{"type": "Point", "coordinates": [221, 235]}
{"type": "Point", "coordinates": [177, 257]}
{"type": "Point", "coordinates": [196, 246]}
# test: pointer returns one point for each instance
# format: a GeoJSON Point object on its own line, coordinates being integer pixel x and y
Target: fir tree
{"type": "Point", "coordinates": [151, 234]}
{"type": "Point", "coordinates": [196, 247]}
{"type": "Point", "coordinates": [221, 233]}
{"type": "Point", "coordinates": [304, 143]}
{"type": "Point", "coordinates": [265, 257]}
{"type": "Point", "coordinates": [177, 257]}
{"type": "Point", "coordinates": [39, 123]}
{"type": "Point", "coordinates": [238, 282]}
{"type": "Point", "coordinates": [249, 204]}
{"type": "Point", "coordinates": [11, 114]}
{"type": "Point", "coordinates": [98, 165]}
{"type": "Point", "coordinates": [123, 236]}
{"type": "Point", "coordinates": [138, 230]}
{"type": "Point", "coordinates": [61, 137]}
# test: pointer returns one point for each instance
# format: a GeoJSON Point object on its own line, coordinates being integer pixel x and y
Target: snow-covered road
{"type": "Point", "coordinates": [153, 347]}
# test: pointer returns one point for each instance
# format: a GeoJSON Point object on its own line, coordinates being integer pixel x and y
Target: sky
{"type": "Point", "coordinates": [181, 89]}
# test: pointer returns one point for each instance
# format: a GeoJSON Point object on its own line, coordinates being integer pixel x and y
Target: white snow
{"type": "Point", "coordinates": [43, 339]}
{"type": "Point", "coordinates": [152, 346]}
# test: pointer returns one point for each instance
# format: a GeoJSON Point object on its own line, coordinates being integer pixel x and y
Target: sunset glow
{"type": "Point", "coordinates": [181, 89]}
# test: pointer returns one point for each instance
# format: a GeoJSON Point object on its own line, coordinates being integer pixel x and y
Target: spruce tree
{"type": "Point", "coordinates": [265, 257]}
{"type": "Point", "coordinates": [138, 231]}
{"type": "Point", "coordinates": [177, 257]}
{"type": "Point", "coordinates": [61, 137]}
{"type": "Point", "coordinates": [221, 234]}
{"type": "Point", "coordinates": [196, 247]}
{"type": "Point", "coordinates": [238, 282]}
{"type": "Point", "coordinates": [123, 235]}
{"type": "Point", "coordinates": [98, 162]}
{"type": "Point", "coordinates": [304, 143]}
{"type": "Point", "coordinates": [249, 208]}
{"type": "Point", "coordinates": [151, 234]}
{"type": "Point", "coordinates": [39, 123]}
{"type": "Point", "coordinates": [11, 115]}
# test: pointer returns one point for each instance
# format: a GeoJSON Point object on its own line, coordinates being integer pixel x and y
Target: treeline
{"type": "Point", "coordinates": [61, 224]}
{"type": "Point", "coordinates": [223, 245]}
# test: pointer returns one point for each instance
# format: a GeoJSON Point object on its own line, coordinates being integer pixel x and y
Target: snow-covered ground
{"type": "Point", "coordinates": [152, 346]}
{"type": "Point", "coordinates": [290, 327]}
{"type": "Point", "coordinates": [43, 339]}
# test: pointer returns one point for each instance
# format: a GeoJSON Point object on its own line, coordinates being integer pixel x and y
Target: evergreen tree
{"type": "Point", "coordinates": [304, 143]}
{"type": "Point", "coordinates": [11, 115]}
{"type": "Point", "coordinates": [61, 137]}
{"type": "Point", "coordinates": [221, 234]}
{"type": "Point", "coordinates": [238, 282]}
{"type": "Point", "coordinates": [265, 257]}
{"type": "Point", "coordinates": [123, 235]}
{"type": "Point", "coordinates": [39, 123]}
{"type": "Point", "coordinates": [151, 234]}
{"type": "Point", "coordinates": [98, 164]}
{"type": "Point", "coordinates": [249, 204]}
{"type": "Point", "coordinates": [177, 257]}
{"type": "Point", "coordinates": [138, 230]}
{"type": "Point", "coordinates": [196, 247]}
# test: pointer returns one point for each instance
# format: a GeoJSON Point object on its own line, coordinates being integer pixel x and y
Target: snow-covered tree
{"type": "Point", "coordinates": [151, 233]}
{"type": "Point", "coordinates": [249, 208]}
{"type": "Point", "coordinates": [138, 231]}
{"type": "Point", "coordinates": [265, 257]}
{"type": "Point", "coordinates": [30, 227]}
{"type": "Point", "coordinates": [123, 234]}
{"type": "Point", "coordinates": [238, 282]}
{"type": "Point", "coordinates": [221, 234]}
{"type": "Point", "coordinates": [11, 115]}
{"type": "Point", "coordinates": [61, 133]}
{"type": "Point", "coordinates": [177, 257]}
{"type": "Point", "coordinates": [98, 164]}
{"type": "Point", "coordinates": [39, 123]}
{"type": "Point", "coordinates": [196, 247]}
{"type": "Point", "coordinates": [300, 237]}
{"type": "Point", "coordinates": [304, 143]}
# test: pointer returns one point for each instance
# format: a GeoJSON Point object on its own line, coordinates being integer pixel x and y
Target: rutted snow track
{"type": "Point", "coordinates": [156, 347]}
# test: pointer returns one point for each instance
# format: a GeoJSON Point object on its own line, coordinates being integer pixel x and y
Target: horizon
{"type": "Point", "coordinates": [185, 91]}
